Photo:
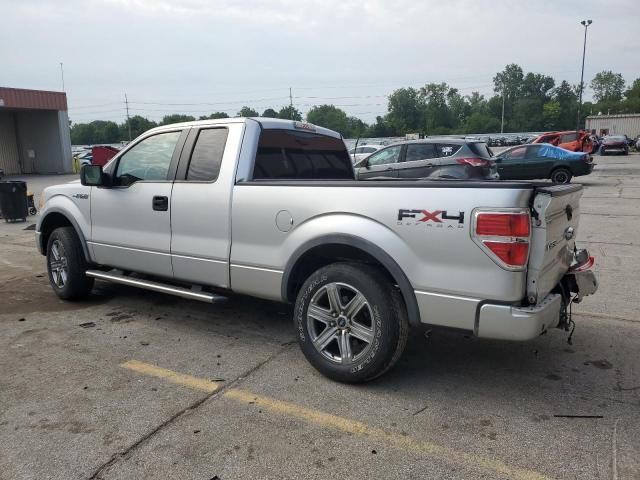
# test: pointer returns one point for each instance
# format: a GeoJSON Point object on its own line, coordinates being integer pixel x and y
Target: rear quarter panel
{"type": "Point", "coordinates": [438, 257]}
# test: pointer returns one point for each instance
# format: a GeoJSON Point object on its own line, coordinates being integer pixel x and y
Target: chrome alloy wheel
{"type": "Point", "coordinates": [340, 323]}
{"type": "Point", "coordinates": [58, 264]}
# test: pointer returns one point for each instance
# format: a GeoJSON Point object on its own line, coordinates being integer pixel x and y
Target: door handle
{"type": "Point", "coordinates": [161, 204]}
{"type": "Point", "coordinates": [388, 169]}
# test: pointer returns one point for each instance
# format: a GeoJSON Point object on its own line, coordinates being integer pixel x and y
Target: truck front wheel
{"type": "Point", "coordinates": [351, 322]}
{"type": "Point", "coordinates": [66, 265]}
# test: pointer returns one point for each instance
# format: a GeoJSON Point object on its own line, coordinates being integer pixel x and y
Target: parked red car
{"type": "Point", "coordinates": [572, 140]}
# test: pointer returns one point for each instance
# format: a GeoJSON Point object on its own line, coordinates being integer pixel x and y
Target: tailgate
{"type": "Point", "coordinates": [555, 213]}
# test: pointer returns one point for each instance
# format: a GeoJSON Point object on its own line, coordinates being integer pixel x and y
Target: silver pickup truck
{"type": "Point", "coordinates": [270, 208]}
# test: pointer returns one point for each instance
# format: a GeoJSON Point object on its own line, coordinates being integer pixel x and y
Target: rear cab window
{"type": "Point", "coordinates": [294, 155]}
{"type": "Point", "coordinates": [206, 156]}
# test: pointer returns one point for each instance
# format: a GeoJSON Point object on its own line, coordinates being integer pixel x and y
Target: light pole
{"type": "Point", "coordinates": [585, 24]}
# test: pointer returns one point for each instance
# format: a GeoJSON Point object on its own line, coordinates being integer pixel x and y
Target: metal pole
{"type": "Point", "coordinates": [126, 102]}
{"type": "Point", "coordinates": [290, 104]}
{"type": "Point", "coordinates": [62, 75]}
{"type": "Point", "coordinates": [502, 122]}
{"type": "Point", "coordinates": [586, 24]}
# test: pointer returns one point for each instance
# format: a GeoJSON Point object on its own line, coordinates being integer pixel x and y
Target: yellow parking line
{"type": "Point", "coordinates": [323, 419]}
{"type": "Point", "coordinates": [194, 383]}
{"type": "Point", "coordinates": [328, 420]}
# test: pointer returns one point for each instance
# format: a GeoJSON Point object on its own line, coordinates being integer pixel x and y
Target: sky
{"type": "Point", "coordinates": [200, 56]}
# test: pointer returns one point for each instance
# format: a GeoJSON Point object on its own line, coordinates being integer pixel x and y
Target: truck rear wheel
{"type": "Point", "coordinates": [351, 322]}
{"type": "Point", "coordinates": [66, 265]}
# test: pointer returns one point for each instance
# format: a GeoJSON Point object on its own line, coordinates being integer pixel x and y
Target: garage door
{"type": "Point", "coordinates": [9, 161]}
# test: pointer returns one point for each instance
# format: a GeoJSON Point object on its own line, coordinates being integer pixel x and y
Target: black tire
{"type": "Point", "coordinates": [70, 265]}
{"type": "Point", "coordinates": [560, 176]}
{"type": "Point", "coordinates": [384, 311]}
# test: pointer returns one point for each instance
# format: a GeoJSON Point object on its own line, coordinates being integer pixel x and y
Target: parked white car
{"type": "Point", "coordinates": [363, 151]}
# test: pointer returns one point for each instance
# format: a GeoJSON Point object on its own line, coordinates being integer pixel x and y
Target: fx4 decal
{"type": "Point", "coordinates": [438, 218]}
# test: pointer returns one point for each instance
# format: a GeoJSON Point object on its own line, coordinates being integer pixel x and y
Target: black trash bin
{"type": "Point", "coordinates": [13, 200]}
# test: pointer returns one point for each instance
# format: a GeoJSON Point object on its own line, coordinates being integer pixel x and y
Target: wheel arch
{"type": "Point", "coordinates": [56, 218]}
{"type": "Point", "coordinates": [561, 166]}
{"type": "Point", "coordinates": [332, 248]}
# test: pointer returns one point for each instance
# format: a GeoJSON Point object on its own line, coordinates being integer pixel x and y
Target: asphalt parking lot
{"type": "Point", "coordinates": [134, 384]}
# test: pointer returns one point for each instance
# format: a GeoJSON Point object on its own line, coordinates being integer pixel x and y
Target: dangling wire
{"type": "Point", "coordinates": [571, 324]}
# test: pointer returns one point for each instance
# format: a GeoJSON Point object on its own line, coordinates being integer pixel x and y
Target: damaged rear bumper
{"type": "Point", "coordinates": [508, 322]}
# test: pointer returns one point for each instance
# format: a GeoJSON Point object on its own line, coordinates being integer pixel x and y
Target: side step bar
{"type": "Point", "coordinates": [156, 286]}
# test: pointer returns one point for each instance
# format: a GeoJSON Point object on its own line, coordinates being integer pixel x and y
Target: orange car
{"type": "Point", "coordinates": [575, 141]}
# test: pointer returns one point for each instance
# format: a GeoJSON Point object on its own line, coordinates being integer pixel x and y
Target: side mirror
{"type": "Point", "coordinates": [91, 175]}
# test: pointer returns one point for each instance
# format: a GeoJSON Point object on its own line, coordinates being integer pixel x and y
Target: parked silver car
{"type": "Point", "coordinates": [430, 158]}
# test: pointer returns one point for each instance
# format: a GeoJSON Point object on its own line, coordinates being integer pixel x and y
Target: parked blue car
{"type": "Point", "coordinates": [542, 160]}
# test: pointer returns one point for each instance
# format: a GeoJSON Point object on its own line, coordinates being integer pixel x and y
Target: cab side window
{"type": "Point", "coordinates": [148, 160]}
{"type": "Point", "coordinates": [206, 157]}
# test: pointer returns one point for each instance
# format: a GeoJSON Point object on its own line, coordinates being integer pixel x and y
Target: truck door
{"type": "Point", "coordinates": [131, 220]}
{"type": "Point", "coordinates": [201, 205]}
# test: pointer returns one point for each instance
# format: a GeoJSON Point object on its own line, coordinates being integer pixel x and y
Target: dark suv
{"type": "Point", "coordinates": [429, 158]}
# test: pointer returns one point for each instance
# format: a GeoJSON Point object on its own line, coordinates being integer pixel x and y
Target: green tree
{"type": "Point", "coordinates": [270, 113]}
{"type": "Point", "coordinates": [355, 127]}
{"type": "Point", "coordinates": [631, 103]}
{"type": "Point", "coordinates": [437, 116]}
{"type": "Point", "coordinates": [82, 134]}
{"type": "Point", "coordinates": [290, 113]}
{"type": "Point", "coordinates": [607, 86]}
{"type": "Point", "coordinates": [139, 125]}
{"type": "Point", "coordinates": [509, 81]}
{"type": "Point", "coordinates": [406, 111]}
{"type": "Point", "coordinates": [565, 96]}
{"type": "Point", "coordinates": [380, 129]}
{"type": "Point", "coordinates": [477, 103]}
{"type": "Point", "coordinates": [247, 112]}
{"type": "Point", "coordinates": [459, 108]}
{"type": "Point", "coordinates": [551, 115]}
{"type": "Point", "coordinates": [330, 117]}
{"type": "Point", "coordinates": [176, 118]}
{"type": "Point", "coordinates": [479, 122]}
{"type": "Point", "coordinates": [214, 116]}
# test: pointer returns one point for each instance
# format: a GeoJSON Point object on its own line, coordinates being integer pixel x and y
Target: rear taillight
{"type": "Point", "coordinates": [503, 224]}
{"type": "Point", "coordinates": [504, 236]}
{"type": "Point", "coordinates": [474, 162]}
